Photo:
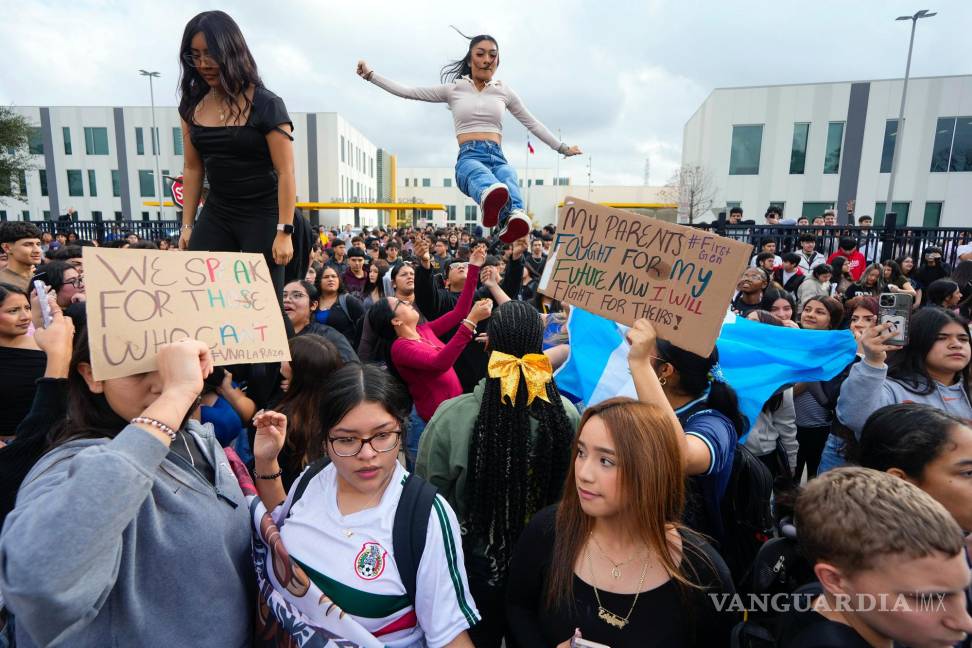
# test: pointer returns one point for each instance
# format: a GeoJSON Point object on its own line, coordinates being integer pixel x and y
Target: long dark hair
{"type": "Point", "coordinates": [694, 378]}
{"type": "Point", "coordinates": [940, 290]}
{"type": "Point", "coordinates": [313, 360]}
{"type": "Point", "coordinates": [350, 386]}
{"type": "Point", "coordinates": [89, 416]}
{"type": "Point", "coordinates": [513, 472]}
{"type": "Point", "coordinates": [908, 366]}
{"type": "Point", "coordinates": [460, 68]}
{"type": "Point", "coordinates": [907, 436]}
{"type": "Point", "coordinates": [237, 68]}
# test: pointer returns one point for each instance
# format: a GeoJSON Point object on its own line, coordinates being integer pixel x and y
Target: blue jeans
{"type": "Point", "coordinates": [480, 164]}
{"type": "Point", "coordinates": [416, 425]}
{"type": "Point", "coordinates": [833, 455]}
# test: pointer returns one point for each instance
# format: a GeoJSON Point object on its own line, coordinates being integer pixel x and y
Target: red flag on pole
{"type": "Point", "coordinates": [530, 147]}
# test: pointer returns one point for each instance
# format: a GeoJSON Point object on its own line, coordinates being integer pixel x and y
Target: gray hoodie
{"type": "Point", "coordinates": [868, 389]}
{"type": "Point", "coordinates": [121, 542]}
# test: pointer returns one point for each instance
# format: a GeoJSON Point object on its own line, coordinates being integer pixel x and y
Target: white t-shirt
{"type": "Point", "coordinates": [359, 573]}
{"type": "Point", "coordinates": [963, 249]}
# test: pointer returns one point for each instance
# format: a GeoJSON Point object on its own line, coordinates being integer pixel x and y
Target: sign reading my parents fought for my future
{"type": "Point", "coordinates": [626, 267]}
{"type": "Point", "coordinates": [138, 300]}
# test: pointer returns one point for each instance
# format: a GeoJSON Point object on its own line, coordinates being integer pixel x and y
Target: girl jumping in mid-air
{"type": "Point", "coordinates": [477, 102]}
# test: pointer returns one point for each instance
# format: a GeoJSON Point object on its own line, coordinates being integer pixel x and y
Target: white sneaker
{"type": "Point", "coordinates": [492, 202]}
{"type": "Point", "coordinates": [516, 227]}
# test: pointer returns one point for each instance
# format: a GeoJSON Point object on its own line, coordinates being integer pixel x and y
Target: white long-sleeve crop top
{"type": "Point", "coordinates": [473, 111]}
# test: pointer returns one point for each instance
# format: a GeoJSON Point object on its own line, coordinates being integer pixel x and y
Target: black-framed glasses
{"type": "Point", "coordinates": [350, 446]}
{"type": "Point", "coordinates": [77, 282]}
{"type": "Point", "coordinates": [196, 60]}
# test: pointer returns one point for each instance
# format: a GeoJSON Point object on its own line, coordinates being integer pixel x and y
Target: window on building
{"type": "Point", "coordinates": [47, 214]}
{"type": "Point", "coordinates": [933, 214]}
{"type": "Point", "coordinates": [798, 150]}
{"type": "Point", "coordinates": [119, 215]}
{"type": "Point", "coordinates": [177, 140]}
{"type": "Point", "coordinates": [942, 148]}
{"type": "Point", "coordinates": [960, 158]}
{"type": "Point", "coordinates": [145, 215]}
{"type": "Point", "coordinates": [139, 141]}
{"type": "Point", "coordinates": [115, 183]}
{"type": "Point", "coordinates": [813, 209]}
{"type": "Point", "coordinates": [471, 213]}
{"type": "Point", "coordinates": [35, 141]}
{"type": "Point", "coordinates": [538, 181]}
{"type": "Point", "coordinates": [887, 150]}
{"type": "Point", "coordinates": [342, 148]}
{"type": "Point", "coordinates": [3, 215]}
{"type": "Point", "coordinates": [451, 213]}
{"type": "Point", "coordinates": [778, 203]}
{"type": "Point", "coordinates": [406, 182]}
{"type": "Point", "coordinates": [66, 134]}
{"type": "Point", "coordinates": [900, 208]}
{"type": "Point", "coordinates": [415, 182]}
{"type": "Point", "coordinates": [446, 182]}
{"type": "Point", "coordinates": [25, 214]}
{"type": "Point", "coordinates": [520, 182]}
{"type": "Point", "coordinates": [92, 183]}
{"type": "Point", "coordinates": [22, 182]}
{"type": "Point", "coordinates": [146, 184]}
{"type": "Point", "coordinates": [96, 216]}
{"type": "Point", "coordinates": [835, 141]}
{"type": "Point", "coordinates": [745, 149]}
{"type": "Point", "coordinates": [730, 204]}
{"type": "Point", "coordinates": [75, 182]}
{"type": "Point", "coordinates": [95, 140]}
{"type": "Point", "coordinates": [43, 181]}
{"type": "Point", "coordinates": [426, 182]}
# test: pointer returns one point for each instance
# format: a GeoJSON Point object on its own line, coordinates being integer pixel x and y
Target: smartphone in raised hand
{"type": "Point", "coordinates": [41, 289]}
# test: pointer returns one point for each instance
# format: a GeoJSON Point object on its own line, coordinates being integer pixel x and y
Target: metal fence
{"type": "Point", "coordinates": [876, 243]}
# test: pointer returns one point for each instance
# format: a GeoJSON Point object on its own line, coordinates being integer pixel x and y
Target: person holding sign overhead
{"type": "Point", "coordinates": [133, 522]}
{"type": "Point", "coordinates": [478, 103]}
{"type": "Point", "coordinates": [238, 134]}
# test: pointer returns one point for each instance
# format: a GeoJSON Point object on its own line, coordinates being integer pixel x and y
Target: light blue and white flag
{"type": "Point", "coordinates": [756, 359]}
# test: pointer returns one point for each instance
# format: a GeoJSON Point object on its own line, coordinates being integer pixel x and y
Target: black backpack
{"type": "Point", "coordinates": [410, 525]}
{"type": "Point", "coordinates": [747, 519]}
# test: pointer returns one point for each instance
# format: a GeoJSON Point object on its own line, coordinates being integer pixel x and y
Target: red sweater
{"type": "Point", "coordinates": [426, 364]}
{"type": "Point", "coordinates": [855, 263]}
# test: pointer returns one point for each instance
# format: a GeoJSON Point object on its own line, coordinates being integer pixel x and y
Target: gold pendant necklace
{"type": "Point", "coordinates": [616, 570]}
{"type": "Point", "coordinates": [606, 615]}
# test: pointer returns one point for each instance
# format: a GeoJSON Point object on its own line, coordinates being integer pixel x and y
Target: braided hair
{"type": "Point", "coordinates": [514, 473]}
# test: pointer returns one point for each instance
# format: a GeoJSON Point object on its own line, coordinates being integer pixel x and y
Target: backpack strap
{"type": "Point", "coordinates": [305, 477]}
{"type": "Point", "coordinates": [410, 527]}
{"type": "Point", "coordinates": [343, 304]}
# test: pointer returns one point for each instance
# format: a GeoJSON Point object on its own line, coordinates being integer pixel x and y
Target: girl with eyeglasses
{"type": "Point", "coordinates": [237, 134]}
{"type": "Point", "coordinates": [339, 531]}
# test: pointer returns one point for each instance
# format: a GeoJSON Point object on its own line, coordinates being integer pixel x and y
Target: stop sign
{"type": "Point", "coordinates": [177, 191]}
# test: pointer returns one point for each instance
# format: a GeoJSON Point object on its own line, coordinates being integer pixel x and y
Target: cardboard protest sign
{"type": "Point", "coordinates": [626, 266]}
{"type": "Point", "coordinates": [138, 300]}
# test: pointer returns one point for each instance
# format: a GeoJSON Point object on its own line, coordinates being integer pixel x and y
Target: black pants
{"type": "Point", "coordinates": [812, 441]}
{"type": "Point", "coordinates": [491, 603]}
{"type": "Point", "coordinates": [218, 231]}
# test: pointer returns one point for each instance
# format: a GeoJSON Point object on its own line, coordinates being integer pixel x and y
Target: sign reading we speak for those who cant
{"type": "Point", "coordinates": [138, 300]}
{"type": "Point", "coordinates": [625, 266]}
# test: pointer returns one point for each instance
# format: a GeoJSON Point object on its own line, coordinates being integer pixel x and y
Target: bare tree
{"type": "Point", "coordinates": [693, 188]}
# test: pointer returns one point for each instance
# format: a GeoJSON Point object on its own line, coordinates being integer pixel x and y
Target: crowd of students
{"type": "Point", "coordinates": [430, 353]}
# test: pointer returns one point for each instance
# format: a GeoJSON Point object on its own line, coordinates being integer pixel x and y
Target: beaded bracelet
{"type": "Point", "coordinates": [273, 476]}
{"type": "Point", "coordinates": [471, 324]}
{"type": "Point", "coordinates": [158, 425]}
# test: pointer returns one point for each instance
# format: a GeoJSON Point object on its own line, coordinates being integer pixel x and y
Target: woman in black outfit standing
{"type": "Point", "coordinates": [239, 134]}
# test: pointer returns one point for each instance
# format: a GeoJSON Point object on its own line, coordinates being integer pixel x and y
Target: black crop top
{"type": "Point", "coordinates": [237, 158]}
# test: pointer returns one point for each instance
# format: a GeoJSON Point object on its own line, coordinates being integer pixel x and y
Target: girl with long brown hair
{"type": "Point", "coordinates": [612, 561]}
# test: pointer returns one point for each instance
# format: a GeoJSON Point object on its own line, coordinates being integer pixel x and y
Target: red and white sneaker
{"type": "Point", "coordinates": [516, 227]}
{"type": "Point", "coordinates": [492, 202]}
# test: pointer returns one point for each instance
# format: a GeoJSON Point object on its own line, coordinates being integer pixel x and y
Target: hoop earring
{"type": "Point", "coordinates": [662, 381]}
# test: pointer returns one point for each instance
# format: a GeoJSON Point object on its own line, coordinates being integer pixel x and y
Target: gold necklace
{"type": "Point", "coordinates": [616, 570]}
{"type": "Point", "coordinates": [219, 107]}
{"type": "Point", "coordinates": [348, 532]}
{"type": "Point", "coordinates": [603, 613]}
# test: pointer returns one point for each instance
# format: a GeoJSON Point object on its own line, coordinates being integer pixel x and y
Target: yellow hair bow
{"type": "Point", "coordinates": [536, 368]}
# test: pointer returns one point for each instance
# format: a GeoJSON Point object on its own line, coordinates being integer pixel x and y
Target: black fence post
{"type": "Point", "coordinates": [890, 235]}
{"type": "Point", "coordinates": [720, 227]}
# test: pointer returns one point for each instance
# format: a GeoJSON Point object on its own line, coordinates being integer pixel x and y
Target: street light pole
{"type": "Point", "coordinates": [156, 140]}
{"type": "Point", "coordinates": [924, 13]}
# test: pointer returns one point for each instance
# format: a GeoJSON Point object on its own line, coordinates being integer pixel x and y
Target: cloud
{"type": "Point", "coordinates": [619, 79]}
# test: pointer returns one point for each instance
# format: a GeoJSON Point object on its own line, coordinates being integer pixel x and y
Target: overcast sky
{"type": "Point", "coordinates": [618, 78]}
